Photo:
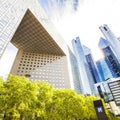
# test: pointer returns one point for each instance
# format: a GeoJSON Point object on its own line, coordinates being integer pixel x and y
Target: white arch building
{"type": "Point", "coordinates": [42, 53]}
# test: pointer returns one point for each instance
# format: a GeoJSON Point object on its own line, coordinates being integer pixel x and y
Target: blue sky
{"type": "Point", "coordinates": [7, 60]}
{"type": "Point", "coordinates": [48, 4]}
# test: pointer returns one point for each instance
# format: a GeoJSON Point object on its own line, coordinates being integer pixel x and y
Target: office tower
{"type": "Point", "coordinates": [104, 90]}
{"type": "Point", "coordinates": [115, 44]}
{"type": "Point", "coordinates": [42, 53]}
{"type": "Point", "coordinates": [109, 91]}
{"type": "Point", "coordinates": [115, 90]}
{"type": "Point", "coordinates": [91, 64]}
{"type": "Point", "coordinates": [104, 70]}
{"type": "Point", "coordinates": [110, 57]}
{"type": "Point", "coordinates": [85, 77]}
{"type": "Point", "coordinates": [75, 73]}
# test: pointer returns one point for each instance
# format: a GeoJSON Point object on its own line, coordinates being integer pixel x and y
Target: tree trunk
{"type": "Point", "coordinates": [21, 116]}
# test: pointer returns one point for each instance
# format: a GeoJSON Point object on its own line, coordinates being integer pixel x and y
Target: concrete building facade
{"type": "Point", "coordinates": [42, 53]}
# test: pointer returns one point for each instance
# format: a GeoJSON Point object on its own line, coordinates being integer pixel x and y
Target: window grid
{"type": "Point", "coordinates": [43, 67]}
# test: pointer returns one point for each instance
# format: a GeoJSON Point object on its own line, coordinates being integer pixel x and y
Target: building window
{"type": "Point", "coordinates": [75, 41]}
{"type": "Point", "coordinates": [105, 28]}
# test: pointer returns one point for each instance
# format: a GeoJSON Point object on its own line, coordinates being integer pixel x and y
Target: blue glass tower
{"type": "Point", "coordinates": [110, 58]}
{"type": "Point", "coordinates": [85, 77]}
{"type": "Point", "coordinates": [91, 64]}
{"type": "Point", "coordinates": [115, 43]}
{"type": "Point", "coordinates": [104, 70]}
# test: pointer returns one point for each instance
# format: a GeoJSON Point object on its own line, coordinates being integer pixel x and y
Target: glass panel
{"type": "Point", "coordinates": [6, 19]}
{"type": "Point", "coordinates": [4, 36]}
{"type": "Point", "coordinates": [1, 26]}
{"type": "Point", "coordinates": [1, 43]}
{"type": "Point", "coordinates": [3, 22]}
{"type": "Point", "coordinates": [1, 1]}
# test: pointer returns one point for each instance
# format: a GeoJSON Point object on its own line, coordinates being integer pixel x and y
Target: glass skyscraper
{"type": "Point", "coordinates": [114, 42]}
{"type": "Point", "coordinates": [110, 58]}
{"type": "Point", "coordinates": [104, 70]}
{"type": "Point", "coordinates": [91, 64]}
{"type": "Point", "coordinates": [109, 67]}
{"type": "Point", "coordinates": [85, 77]}
{"type": "Point", "coordinates": [75, 73]}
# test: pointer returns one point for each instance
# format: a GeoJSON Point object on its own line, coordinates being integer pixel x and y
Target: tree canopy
{"type": "Point", "coordinates": [22, 99]}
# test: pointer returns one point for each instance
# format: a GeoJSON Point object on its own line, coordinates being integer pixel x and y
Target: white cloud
{"type": "Point", "coordinates": [86, 21]}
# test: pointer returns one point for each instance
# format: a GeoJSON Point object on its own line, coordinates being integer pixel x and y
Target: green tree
{"type": "Point", "coordinates": [19, 95]}
{"type": "Point", "coordinates": [2, 98]}
{"type": "Point", "coordinates": [90, 110]}
{"type": "Point", "coordinates": [45, 93]}
{"type": "Point", "coordinates": [21, 99]}
{"type": "Point", "coordinates": [66, 105]}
